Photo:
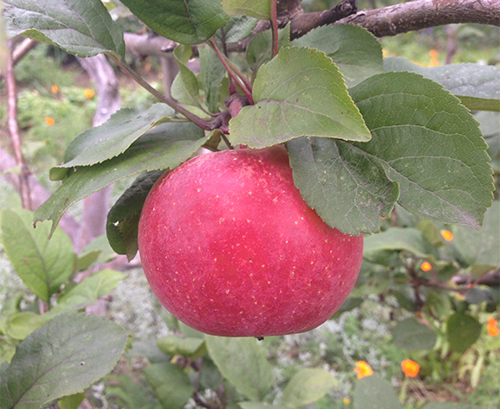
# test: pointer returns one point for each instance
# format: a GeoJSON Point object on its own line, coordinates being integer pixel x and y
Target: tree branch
{"type": "Point", "coordinates": [421, 14]}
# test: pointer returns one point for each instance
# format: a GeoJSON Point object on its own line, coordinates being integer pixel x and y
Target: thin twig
{"type": "Point", "coordinates": [13, 127]}
{"type": "Point", "coordinates": [163, 98]}
{"type": "Point", "coordinates": [274, 26]}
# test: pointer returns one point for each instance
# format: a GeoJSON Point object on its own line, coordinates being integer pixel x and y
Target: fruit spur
{"type": "Point", "coordinates": [230, 247]}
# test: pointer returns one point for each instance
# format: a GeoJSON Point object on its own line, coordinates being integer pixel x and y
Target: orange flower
{"type": "Point", "coordinates": [493, 327]}
{"type": "Point", "coordinates": [363, 369]}
{"type": "Point", "coordinates": [426, 266]}
{"type": "Point", "coordinates": [50, 121]}
{"type": "Point", "coordinates": [434, 53]}
{"type": "Point", "coordinates": [347, 401]}
{"type": "Point", "coordinates": [410, 368]}
{"type": "Point", "coordinates": [89, 93]}
{"type": "Point", "coordinates": [55, 89]}
{"type": "Point", "coordinates": [447, 235]}
{"type": "Point", "coordinates": [434, 62]}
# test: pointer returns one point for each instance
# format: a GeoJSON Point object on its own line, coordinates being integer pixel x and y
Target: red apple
{"type": "Point", "coordinates": [230, 248]}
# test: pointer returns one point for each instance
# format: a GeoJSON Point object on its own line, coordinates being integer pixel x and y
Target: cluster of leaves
{"type": "Point", "coordinates": [364, 136]}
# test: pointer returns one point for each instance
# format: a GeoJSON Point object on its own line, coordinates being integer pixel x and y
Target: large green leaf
{"type": "Point", "coordinates": [480, 247]}
{"type": "Point", "coordinates": [83, 28]}
{"type": "Point", "coordinates": [353, 49]}
{"type": "Point", "coordinates": [348, 189]}
{"type": "Point", "coordinates": [184, 21]}
{"type": "Point", "coordinates": [122, 225]}
{"type": "Point", "coordinates": [300, 92]}
{"type": "Point", "coordinates": [307, 386]}
{"type": "Point", "coordinates": [411, 335]}
{"type": "Point", "coordinates": [170, 383]}
{"type": "Point", "coordinates": [114, 137]}
{"type": "Point", "coordinates": [237, 28]}
{"type": "Point", "coordinates": [243, 363]}
{"type": "Point", "coordinates": [462, 331]}
{"type": "Point", "coordinates": [260, 9]}
{"type": "Point", "coordinates": [166, 146]}
{"type": "Point", "coordinates": [42, 264]}
{"type": "Point", "coordinates": [374, 393]}
{"type": "Point", "coordinates": [63, 357]}
{"type": "Point", "coordinates": [398, 238]}
{"type": "Point", "coordinates": [428, 143]}
{"type": "Point", "coordinates": [472, 80]}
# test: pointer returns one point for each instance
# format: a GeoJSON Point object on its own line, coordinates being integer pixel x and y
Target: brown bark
{"type": "Point", "coordinates": [420, 14]}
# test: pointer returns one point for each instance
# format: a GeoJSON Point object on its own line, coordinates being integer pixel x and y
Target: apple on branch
{"type": "Point", "coordinates": [230, 247]}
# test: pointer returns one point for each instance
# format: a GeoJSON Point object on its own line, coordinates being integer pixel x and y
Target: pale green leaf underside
{"type": "Point", "coordinates": [480, 247]}
{"type": "Point", "coordinates": [83, 28]}
{"type": "Point", "coordinates": [375, 393]}
{"type": "Point", "coordinates": [428, 143]}
{"type": "Point", "coordinates": [64, 356]}
{"type": "Point", "coordinates": [298, 93]}
{"type": "Point", "coordinates": [166, 146]}
{"type": "Point", "coordinates": [411, 335]}
{"type": "Point", "coordinates": [42, 264]}
{"type": "Point", "coordinates": [260, 9]}
{"type": "Point", "coordinates": [356, 52]}
{"type": "Point", "coordinates": [478, 86]}
{"type": "Point", "coordinates": [184, 21]}
{"type": "Point", "coordinates": [112, 138]}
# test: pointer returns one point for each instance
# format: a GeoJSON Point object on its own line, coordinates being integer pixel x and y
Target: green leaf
{"type": "Point", "coordinates": [184, 21]}
{"type": "Point", "coordinates": [348, 190]}
{"type": "Point", "coordinates": [243, 363]}
{"type": "Point", "coordinates": [450, 405]}
{"type": "Point", "coordinates": [166, 146]}
{"type": "Point", "coordinates": [260, 47]}
{"type": "Point", "coordinates": [114, 137]}
{"type": "Point", "coordinates": [71, 401]}
{"type": "Point", "coordinates": [83, 28]}
{"type": "Point", "coordinates": [21, 324]}
{"type": "Point", "coordinates": [63, 357]}
{"type": "Point", "coordinates": [260, 9]}
{"type": "Point", "coordinates": [471, 80]}
{"type": "Point", "coordinates": [212, 73]}
{"type": "Point", "coordinates": [398, 238]}
{"type": "Point", "coordinates": [374, 393]}
{"type": "Point", "coordinates": [237, 28]}
{"type": "Point", "coordinates": [480, 104]}
{"type": "Point", "coordinates": [300, 92]}
{"type": "Point", "coordinates": [176, 345]}
{"type": "Point", "coordinates": [170, 383]}
{"type": "Point", "coordinates": [182, 54]}
{"type": "Point", "coordinates": [307, 386]}
{"type": "Point", "coordinates": [122, 224]}
{"type": "Point", "coordinates": [428, 143]}
{"type": "Point", "coordinates": [480, 247]}
{"type": "Point", "coordinates": [356, 51]}
{"type": "Point", "coordinates": [89, 291]}
{"type": "Point", "coordinates": [462, 331]}
{"type": "Point", "coordinates": [42, 264]}
{"type": "Point", "coordinates": [411, 335]}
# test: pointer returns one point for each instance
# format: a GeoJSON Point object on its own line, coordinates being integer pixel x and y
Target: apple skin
{"type": "Point", "coordinates": [230, 248]}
